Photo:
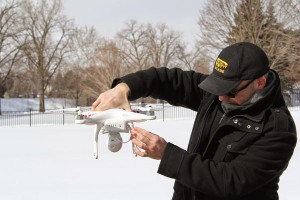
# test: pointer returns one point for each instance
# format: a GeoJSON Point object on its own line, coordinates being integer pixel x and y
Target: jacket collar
{"type": "Point", "coordinates": [271, 96]}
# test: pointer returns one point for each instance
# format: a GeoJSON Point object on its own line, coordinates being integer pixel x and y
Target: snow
{"type": "Point", "coordinates": [26, 104]}
{"type": "Point", "coordinates": [56, 162]}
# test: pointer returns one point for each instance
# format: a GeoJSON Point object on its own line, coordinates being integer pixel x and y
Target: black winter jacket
{"type": "Point", "coordinates": [240, 155]}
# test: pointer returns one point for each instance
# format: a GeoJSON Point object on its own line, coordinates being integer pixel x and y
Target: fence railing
{"type": "Point", "coordinates": [34, 118]}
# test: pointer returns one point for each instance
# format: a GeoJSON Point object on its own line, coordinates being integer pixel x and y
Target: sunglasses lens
{"type": "Point", "coordinates": [235, 91]}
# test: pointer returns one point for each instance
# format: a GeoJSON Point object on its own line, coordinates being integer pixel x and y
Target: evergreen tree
{"type": "Point", "coordinates": [252, 25]}
{"type": "Point", "coordinates": [249, 22]}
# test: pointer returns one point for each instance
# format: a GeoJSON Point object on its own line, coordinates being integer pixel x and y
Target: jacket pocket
{"type": "Point", "coordinates": [235, 149]}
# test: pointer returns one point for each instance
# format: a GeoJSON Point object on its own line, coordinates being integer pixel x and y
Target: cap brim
{"type": "Point", "coordinates": [218, 86]}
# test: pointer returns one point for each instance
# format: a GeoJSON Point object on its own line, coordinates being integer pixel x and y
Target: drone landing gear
{"type": "Point", "coordinates": [96, 134]}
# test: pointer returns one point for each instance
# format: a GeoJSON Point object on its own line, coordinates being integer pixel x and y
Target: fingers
{"type": "Point", "coordinates": [141, 135]}
{"type": "Point", "coordinates": [116, 97]}
{"type": "Point", "coordinates": [96, 103]}
{"type": "Point", "coordinates": [147, 144]}
{"type": "Point", "coordinates": [140, 153]}
{"type": "Point", "coordinates": [101, 103]}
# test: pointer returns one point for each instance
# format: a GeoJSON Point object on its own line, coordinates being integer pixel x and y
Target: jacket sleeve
{"type": "Point", "coordinates": [173, 85]}
{"type": "Point", "coordinates": [264, 161]}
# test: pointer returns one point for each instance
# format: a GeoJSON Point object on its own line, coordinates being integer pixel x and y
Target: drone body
{"type": "Point", "coordinates": [111, 122]}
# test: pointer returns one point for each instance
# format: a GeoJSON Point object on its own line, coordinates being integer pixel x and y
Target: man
{"type": "Point", "coordinates": [243, 136]}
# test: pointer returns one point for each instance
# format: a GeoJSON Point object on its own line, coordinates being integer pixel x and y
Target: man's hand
{"type": "Point", "coordinates": [116, 97]}
{"type": "Point", "coordinates": [153, 146]}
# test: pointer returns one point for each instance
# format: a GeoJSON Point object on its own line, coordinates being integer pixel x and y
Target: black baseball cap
{"type": "Point", "coordinates": [235, 63]}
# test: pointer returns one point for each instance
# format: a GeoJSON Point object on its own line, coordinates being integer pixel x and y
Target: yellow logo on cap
{"type": "Point", "coordinates": [221, 65]}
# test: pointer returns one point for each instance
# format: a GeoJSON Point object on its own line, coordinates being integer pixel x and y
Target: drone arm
{"type": "Point", "coordinates": [96, 135]}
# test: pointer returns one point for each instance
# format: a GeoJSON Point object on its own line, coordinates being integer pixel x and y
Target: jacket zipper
{"type": "Point", "coordinates": [202, 127]}
{"type": "Point", "coordinates": [220, 121]}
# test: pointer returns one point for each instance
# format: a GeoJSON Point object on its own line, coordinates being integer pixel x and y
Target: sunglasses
{"type": "Point", "coordinates": [235, 91]}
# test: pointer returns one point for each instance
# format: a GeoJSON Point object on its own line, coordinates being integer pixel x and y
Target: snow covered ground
{"type": "Point", "coordinates": [56, 163]}
{"type": "Point", "coordinates": [26, 104]}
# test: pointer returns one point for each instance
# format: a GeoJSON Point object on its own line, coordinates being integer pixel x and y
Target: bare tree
{"type": "Point", "coordinates": [9, 49]}
{"type": "Point", "coordinates": [142, 46]}
{"type": "Point", "coordinates": [67, 85]}
{"type": "Point", "coordinates": [215, 21]}
{"type": "Point", "coordinates": [95, 62]}
{"type": "Point", "coordinates": [132, 42]}
{"type": "Point", "coordinates": [163, 45]}
{"type": "Point", "coordinates": [24, 84]}
{"type": "Point", "coordinates": [99, 77]}
{"type": "Point", "coordinates": [46, 32]}
{"type": "Point", "coordinates": [288, 13]}
{"type": "Point", "coordinates": [194, 59]}
{"type": "Point", "coordinates": [83, 45]}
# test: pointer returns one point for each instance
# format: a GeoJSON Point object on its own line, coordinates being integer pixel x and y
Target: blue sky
{"type": "Point", "coordinates": [109, 16]}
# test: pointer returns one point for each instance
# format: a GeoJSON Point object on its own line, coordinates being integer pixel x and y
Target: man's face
{"type": "Point", "coordinates": [243, 93]}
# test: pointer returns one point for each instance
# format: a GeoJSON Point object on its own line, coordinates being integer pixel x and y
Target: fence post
{"type": "Point", "coordinates": [30, 117]}
{"type": "Point", "coordinates": [163, 104]}
{"type": "Point", "coordinates": [63, 113]}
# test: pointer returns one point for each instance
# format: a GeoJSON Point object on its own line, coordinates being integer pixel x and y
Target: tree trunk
{"type": "Point", "coordinates": [42, 97]}
{"type": "Point", "coordinates": [2, 90]}
{"type": "Point", "coordinates": [42, 103]}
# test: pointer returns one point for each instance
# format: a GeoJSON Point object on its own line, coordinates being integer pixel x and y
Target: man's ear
{"type": "Point", "coordinates": [261, 82]}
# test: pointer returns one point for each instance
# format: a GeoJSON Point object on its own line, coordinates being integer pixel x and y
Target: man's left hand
{"type": "Point", "coordinates": [148, 144]}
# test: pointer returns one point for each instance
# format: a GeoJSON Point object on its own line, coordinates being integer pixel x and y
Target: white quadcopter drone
{"type": "Point", "coordinates": [112, 122]}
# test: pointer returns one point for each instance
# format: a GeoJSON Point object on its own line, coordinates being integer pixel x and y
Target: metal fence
{"type": "Point", "coordinates": [34, 118]}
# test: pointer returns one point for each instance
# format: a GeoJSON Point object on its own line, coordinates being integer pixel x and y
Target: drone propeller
{"type": "Point", "coordinates": [75, 111]}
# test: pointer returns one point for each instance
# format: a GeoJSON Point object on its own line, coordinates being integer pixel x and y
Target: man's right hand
{"type": "Point", "coordinates": [116, 97]}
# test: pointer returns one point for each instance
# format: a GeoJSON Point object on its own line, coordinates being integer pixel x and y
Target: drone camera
{"type": "Point", "coordinates": [114, 142]}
